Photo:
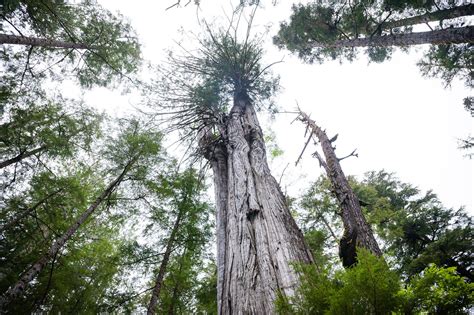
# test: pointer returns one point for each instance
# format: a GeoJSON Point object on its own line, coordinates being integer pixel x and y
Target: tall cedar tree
{"type": "Point", "coordinates": [257, 237]}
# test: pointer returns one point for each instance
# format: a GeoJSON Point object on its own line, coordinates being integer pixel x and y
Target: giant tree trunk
{"type": "Point", "coordinates": [164, 264]}
{"type": "Point", "coordinates": [357, 232]}
{"type": "Point", "coordinates": [257, 238]}
{"type": "Point", "coordinates": [439, 15]}
{"type": "Point", "coordinates": [437, 37]}
{"type": "Point", "coordinates": [41, 42]}
{"type": "Point", "coordinates": [16, 290]}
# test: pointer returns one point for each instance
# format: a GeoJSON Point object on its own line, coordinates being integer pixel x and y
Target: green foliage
{"type": "Point", "coordinates": [133, 143]}
{"type": "Point", "coordinates": [416, 229]}
{"type": "Point", "coordinates": [469, 104]}
{"type": "Point", "coordinates": [448, 62]}
{"type": "Point", "coordinates": [237, 65]}
{"type": "Point", "coordinates": [113, 50]}
{"type": "Point", "coordinates": [272, 145]}
{"type": "Point", "coordinates": [199, 86]}
{"type": "Point", "coordinates": [32, 220]}
{"type": "Point", "coordinates": [315, 28]}
{"type": "Point", "coordinates": [206, 292]}
{"type": "Point", "coordinates": [370, 287]}
{"type": "Point", "coordinates": [52, 128]}
{"type": "Point", "coordinates": [438, 291]}
{"type": "Point", "coordinates": [81, 274]}
{"type": "Point", "coordinates": [367, 288]}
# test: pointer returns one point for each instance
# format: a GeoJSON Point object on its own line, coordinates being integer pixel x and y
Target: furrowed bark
{"type": "Point", "coordinates": [164, 264]}
{"type": "Point", "coordinates": [440, 15]}
{"type": "Point", "coordinates": [437, 37]}
{"type": "Point", "coordinates": [357, 232]}
{"type": "Point", "coordinates": [16, 290]}
{"type": "Point", "coordinates": [258, 238]}
{"type": "Point", "coordinates": [40, 42]}
{"type": "Point", "coordinates": [21, 156]}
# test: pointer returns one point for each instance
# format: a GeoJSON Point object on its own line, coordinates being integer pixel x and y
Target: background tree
{"type": "Point", "coordinates": [334, 30]}
{"type": "Point", "coordinates": [133, 148]}
{"type": "Point", "coordinates": [64, 37]}
{"type": "Point", "coordinates": [188, 233]}
{"type": "Point", "coordinates": [206, 291]}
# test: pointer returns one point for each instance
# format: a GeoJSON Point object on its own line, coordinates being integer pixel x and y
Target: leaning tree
{"type": "Point", "coordinates": [211, 95]}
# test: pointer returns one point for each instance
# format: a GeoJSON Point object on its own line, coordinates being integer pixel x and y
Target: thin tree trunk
{"type": "Point", "coordinates": [164, 264]}
{"type": "Point", "coordinates": [357, 232]}
{"type": "Point", "coordinates": [440, 15]}
{"type": "Point", "coordinates": [21, 156]}
{"type": "Point", "coordinates": [437, 37]}
{"type": "Point", "coordinates": [16, 290]}
{"type": "Point", "coordinates": [257, 238]}
{"type": "Point", "coordinates": [174, 298]}
{"type": "Point", "coordinates": [328, 226]}
{"type": "Point", "coordinates": [41, 42]}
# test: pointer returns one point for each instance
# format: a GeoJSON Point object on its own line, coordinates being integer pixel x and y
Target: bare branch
{"type": "Point", "coordinates": [349, 155]}
{"type": "Point", "coordinates": [304, 148]}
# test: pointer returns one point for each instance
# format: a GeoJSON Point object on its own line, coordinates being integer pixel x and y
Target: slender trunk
{"type": "Point", "coordinates": [26, 212]}
{"type": "Point", "coordinates": [328, 226]}
{"type": "Point", "coordinates": [174, 297]}
{"type": "Point", "coordinates": [21, 156]}
{"type": "Point", "coordinates": [357, 232]}
{"type": "Point", "coordinates": [440, 15]}
{"type": "Point", "coordinates": [41, 42]}
{"type": "Point", "coordinates": [257, 238]}
{"type": "Point", "coordinates": [217, 155]}
{"type": "Point", "coordinates": [437, 37]}
{"type": "Point", "coordinates": [164, 264]}
{"type": "Point", "coordinates": [15, 290]}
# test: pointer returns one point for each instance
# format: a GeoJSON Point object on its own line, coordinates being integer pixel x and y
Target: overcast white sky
{"type": "Point", "coordinates": [396, 119]}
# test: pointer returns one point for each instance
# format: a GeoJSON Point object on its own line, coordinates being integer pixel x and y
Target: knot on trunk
{"type": "Point", "coordinates": [210, 145]}
{"type": "Point", "coordinates": [252, 213]}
